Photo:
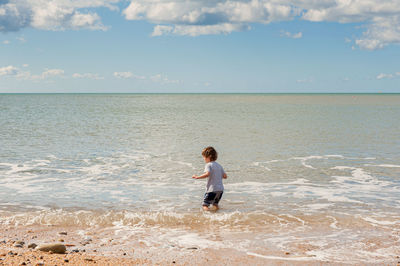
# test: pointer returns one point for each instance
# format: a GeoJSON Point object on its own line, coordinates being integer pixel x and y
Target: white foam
{"type": "Point", "coordinates": [384, 165]}
{"type": "Point", "coordinates": [335, 222]}
{"type": "Point", "coordinates": [283, 258]}
{"type": "Point", "coordinates": [373, 221]}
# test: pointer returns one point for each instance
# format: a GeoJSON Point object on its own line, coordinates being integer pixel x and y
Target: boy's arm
{"type": "Point", "coordinates": [206, 174]}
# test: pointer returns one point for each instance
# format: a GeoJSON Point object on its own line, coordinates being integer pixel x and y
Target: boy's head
{"type": "Point", "coordinates": [210, 153]}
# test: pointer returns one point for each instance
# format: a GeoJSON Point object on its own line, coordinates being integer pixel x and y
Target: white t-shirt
{"type": "Point", "coordinates": [214, 181]}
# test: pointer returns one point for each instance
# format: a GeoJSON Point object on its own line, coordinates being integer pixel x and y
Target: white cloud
{"type": "Point", "coordinates": [123, 75]}
{"type": "Point", "coordinates": [195, 18]}
{"type": "Point", "coordinates": [9, 71]}
{"type": "Point", "coordinates": [162, 79]}
{"type": "Point", "coordinates": [292, 35]}
{"type": "Point", "coordinates": [6, 42]}
{"type": "Point", "coordinates": [25, 65]}
{"type": "Point", "coordinates": [196, 30]}
{"type": "Point", "coordinates": [15, 72]}
{"type": "Point", "coordinates": [387, 76]}
{"type": "Point", "coordinates": [87, 76]}
{"type": "Point", "coordinates": [380, 18]}
{"type": "Point", "coordinates": [158, 78]}
{"type": "Point", "coordinates": [127, 75]}
{"type": "Point", "coordinates": [52, 14]}
{"type": "Point", "coordinates": [52, 72]}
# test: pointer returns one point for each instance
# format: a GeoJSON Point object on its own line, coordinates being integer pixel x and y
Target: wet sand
{"type": "Point", "coordinates": [87, 247]}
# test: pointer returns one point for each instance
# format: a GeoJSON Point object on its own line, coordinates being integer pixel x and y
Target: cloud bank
{"type": "Point", "coordinates": [51, 14]}
{"type": "Point", "coordinates": [380, 20]}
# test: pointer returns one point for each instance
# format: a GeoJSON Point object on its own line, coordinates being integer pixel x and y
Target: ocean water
{"type": "Point", "coordinates": [314, 174]}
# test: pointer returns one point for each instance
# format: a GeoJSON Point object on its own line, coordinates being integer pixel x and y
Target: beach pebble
{"type": "Point", "coordinates": [55, 248]}
{"type": "Point", "coordinates": [32, 245]}
{"type": "Point", "coordinates": [86, 241]}
{"type": "Point", "coordinates": [88, 259]}
{"type": "Point", "coordinates": [63, 233]}
{"type": "Point", "coordinates": [40, 263]}
{"type": "Point", "coordinates": [23, 263]}
{"type": "Point", "coordinates": [66, 260]}
{"type": "Point", "coordinates": [18, 245]}
{"type": "Point", "coordinates": [60, 240]}
{"type": "Point", "coordinates": [75, 251]}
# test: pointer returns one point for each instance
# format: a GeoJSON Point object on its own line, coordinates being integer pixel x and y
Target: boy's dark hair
{"type": "Point", "coordinates": [210, 152]}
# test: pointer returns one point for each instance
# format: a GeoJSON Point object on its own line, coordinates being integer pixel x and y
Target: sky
{"type": "Point", "coordinates": [210, 46]}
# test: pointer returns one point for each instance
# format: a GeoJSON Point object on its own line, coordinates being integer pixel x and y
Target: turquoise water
{"type": "Point", "coordinates": [313, 167]}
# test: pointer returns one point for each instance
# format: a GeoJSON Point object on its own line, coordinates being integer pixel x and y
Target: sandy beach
{"type": "Point", "coordinates": [102, 249]}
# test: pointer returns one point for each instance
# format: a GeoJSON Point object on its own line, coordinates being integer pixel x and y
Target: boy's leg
{"type": "Point", "coordinates": [208, 200]}
{"type": "Point", "coordinates": [218, 197]}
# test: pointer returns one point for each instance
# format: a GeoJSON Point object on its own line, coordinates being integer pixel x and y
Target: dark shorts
{"type": "Point", "coordinates": [212, 198]}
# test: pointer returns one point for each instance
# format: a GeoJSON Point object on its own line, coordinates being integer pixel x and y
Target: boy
{"type": "Point", "coordinates": [215, 173]}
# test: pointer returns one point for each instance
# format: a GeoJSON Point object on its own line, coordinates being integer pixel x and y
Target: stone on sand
{"type": "Point", "coordinates": [55, 248]}
{"type": "Point", "coordinates": [32, 245]}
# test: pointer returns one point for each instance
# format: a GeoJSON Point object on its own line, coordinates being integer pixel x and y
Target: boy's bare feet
{"type": "Point", "coordinates": [205, 208]}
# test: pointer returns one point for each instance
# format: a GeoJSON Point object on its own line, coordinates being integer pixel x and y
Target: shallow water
{"type": "Point", "coordinates": [318, 175]}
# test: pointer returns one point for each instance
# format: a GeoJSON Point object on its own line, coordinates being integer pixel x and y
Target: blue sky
{"type": "Point", "coordinates": [193, 46]}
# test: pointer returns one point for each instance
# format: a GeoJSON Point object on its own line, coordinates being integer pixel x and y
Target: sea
{"type": "Point", "coordinates": [313, 175]}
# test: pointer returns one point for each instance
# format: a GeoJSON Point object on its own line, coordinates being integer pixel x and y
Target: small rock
{"type": "Point", "coordinates": [192, 248]}
{"type": "Point", "coordinates": [75, 251]}
{"type": "Point", "coordinates": [40, 263]}
{"type": "Point", "coordinates": [20, 242]}
{"type": "Point", "coordinates": [18, 245]}
{"type": "Point", "coordinates": [60, 240]}
{"type": "Point", "coordinates": [66, 260]}
{"type": "Point", "coordinates": [55, 248]}
{"type": "Point", "coordinates": [83, 250]}
{"type": "Point", "coordinates": [173, 261]}
{"type": "Point", "coordinates": [124, 254]}
{"type": "Point", "coordinates": [63, 233]}
{"type": "Point", "coordinates": [32, 245]}
{"type": "Point", "coordinates": [41, 257]}
{"type": "Point", "coordinates": [23, 263]}
{"type": "Point", "coordinates": [287, 253]}
{"type": "Point", "coordinates": [88, 259]}
{"type": "Point", "coordinates": [11, 253]}
{"type": "Point", "coordinates": [94, 250]}
{"type": "Point", "coordinates": [2, 242]}
{"type": "Point", "coordinates": [30, 231]}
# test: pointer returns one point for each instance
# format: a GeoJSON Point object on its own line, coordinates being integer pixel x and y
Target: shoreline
{"type": "Point", "coordinates": [86, 247]}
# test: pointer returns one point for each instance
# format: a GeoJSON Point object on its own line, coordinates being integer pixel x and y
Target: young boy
{"type": "Point", "coordinates": [215, 173]}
